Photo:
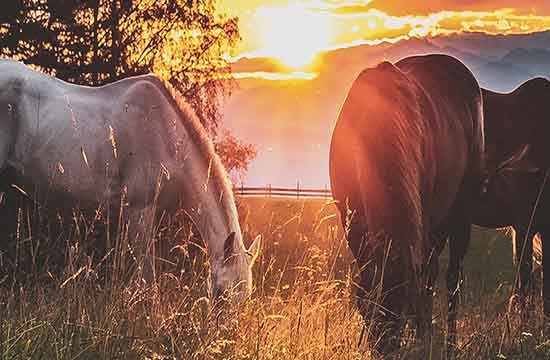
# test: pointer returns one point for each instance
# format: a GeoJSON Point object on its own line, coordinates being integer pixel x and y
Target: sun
{"type": "Point", "coordinates": [293, 34]}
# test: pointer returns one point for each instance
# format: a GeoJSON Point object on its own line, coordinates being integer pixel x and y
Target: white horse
{"type": "Point", "coordinates": [133, 142]}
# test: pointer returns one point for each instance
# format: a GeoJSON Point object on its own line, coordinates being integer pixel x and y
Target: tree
{"type": "Point", "coordinates": [235, 155]}
{"type": "Point", "coordinates": [95, 42]}
{"type": "Point", "coordinates": [99, 41]}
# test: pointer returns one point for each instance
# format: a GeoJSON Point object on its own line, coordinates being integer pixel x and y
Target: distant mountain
{"type": "Point", "coordinates": [291, 122]}
{"type": "Point", "coordinates": [500, 76]}
{"type": "Point", "coordinates": [512, 69]}
{"type": "Point", "coordinates": [471, 60]}
{"type": "Point", "coordinates": [536, 61]}
{"type": "Point", "coordinates": [493, 47]}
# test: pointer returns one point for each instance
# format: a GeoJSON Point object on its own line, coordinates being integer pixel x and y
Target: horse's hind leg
{"type": "Point", "coordinates": [459, 241]}
{"type": "Point", "coordinates": [524, 259]}
{"type": "Point", "coordinates": [424, 323]}
{"type": "Point", "coordinates": [380, 311]}
{"type": "Point", "coordinates": [545, 240]}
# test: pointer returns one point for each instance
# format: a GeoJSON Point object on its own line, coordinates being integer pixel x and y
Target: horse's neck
{"type": "Point", "coordinates": [215, 220]}
{"type": "Point", "coordinates": [212, 209]}
{"type": "Point", "coordinates": [215, 225]}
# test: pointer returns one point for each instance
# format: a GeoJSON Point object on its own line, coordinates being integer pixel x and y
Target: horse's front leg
{"type": "Point", "coordinates": [142, 239]}
{"type": "Point", "coordinates": [523, 243]}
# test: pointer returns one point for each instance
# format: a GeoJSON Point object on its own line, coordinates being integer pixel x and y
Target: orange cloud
{"type": "Point", "coordinates": [373, 25]}
{"type": "Point", "coordinates": [290, 31]}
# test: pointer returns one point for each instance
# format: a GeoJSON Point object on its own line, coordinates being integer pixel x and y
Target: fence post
{"type": "Point", "coordinates": [267, 191]}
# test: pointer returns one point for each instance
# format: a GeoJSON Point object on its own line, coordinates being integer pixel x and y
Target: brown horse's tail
{"type": "Point", "coordinates": [386, 148]}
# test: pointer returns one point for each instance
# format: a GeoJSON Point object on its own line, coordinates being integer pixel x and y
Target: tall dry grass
{"type": "Point", "coordinates": [93, 307]}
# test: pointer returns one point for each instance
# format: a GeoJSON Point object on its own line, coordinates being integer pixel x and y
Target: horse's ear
{"type": "Point", "coordinates": [254, 249]}
{"type": "Point", "coordinates": [229, 246]}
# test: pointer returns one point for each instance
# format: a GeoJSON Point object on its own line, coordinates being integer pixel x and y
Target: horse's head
{"type": "Point", "coordinates": [519, 163]}
{"type": "Point", "coordinates": [232, 273]}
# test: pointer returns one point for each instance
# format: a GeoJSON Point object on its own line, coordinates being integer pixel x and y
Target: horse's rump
{"type": "Point", "coordinates": [376, 163]}
{"type": "Point", "coordinates": [402, 149]}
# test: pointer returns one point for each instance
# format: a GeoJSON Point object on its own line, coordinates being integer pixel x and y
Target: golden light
{"type": "Point", "coordinates": [293, 34]}
{"type": "Point", "coordinates": [372, 23]}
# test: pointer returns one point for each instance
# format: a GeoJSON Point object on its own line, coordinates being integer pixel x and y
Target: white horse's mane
{"type": "Point", "coordinates": [198, 133]}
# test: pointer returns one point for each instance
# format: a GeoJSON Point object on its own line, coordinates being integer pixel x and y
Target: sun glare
{"type": "Point", "coordinates": [293, 34]}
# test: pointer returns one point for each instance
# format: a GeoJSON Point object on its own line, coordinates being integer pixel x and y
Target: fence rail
{"type": "Point", "coordinates": [269, 191]}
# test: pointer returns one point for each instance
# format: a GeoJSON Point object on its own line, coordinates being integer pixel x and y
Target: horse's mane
{"type": "Point", "coordinates": [198, 133]}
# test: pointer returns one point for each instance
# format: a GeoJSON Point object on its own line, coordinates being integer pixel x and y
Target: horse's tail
{"type": "Point", "coordinates": [386, 142]}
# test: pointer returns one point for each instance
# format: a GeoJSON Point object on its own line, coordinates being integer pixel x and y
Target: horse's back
{"type": "Point", "coordinates": [454, 93]}
{"type": "Point", "coordinates": [444, 72]}
{"type": "Point", "coordinates": [414, 107]}
{"type": "Point", "coordinates": [518, 118]}
{"type": "Point", "coordinates": [533, 114]}
{"type": "Point", "coordinates": [371, 124]}
{"type": "Point", "coordinates": [513, 121]}
{"type": "Point", "coordinates": [83, 144]}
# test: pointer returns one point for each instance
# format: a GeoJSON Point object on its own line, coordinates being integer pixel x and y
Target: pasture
{"type": "Point", "coordinates": [302, 306]}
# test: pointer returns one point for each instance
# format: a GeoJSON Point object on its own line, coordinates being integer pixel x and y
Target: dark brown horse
{"type": "Point", "coordinates": [519, 122]}
{"type": "Point", "coordinates": [406, 161]}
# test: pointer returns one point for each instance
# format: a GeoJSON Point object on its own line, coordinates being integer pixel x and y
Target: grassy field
{"type": "Point", "coordinates": [302, 307]}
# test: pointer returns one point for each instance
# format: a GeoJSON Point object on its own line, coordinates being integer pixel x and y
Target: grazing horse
{"type": "Point", "coordinates": [406, 161]}
{"type": "Point", "coordinates": [134, 146]}
{"type": "Point", "coordinates": [517, 124]}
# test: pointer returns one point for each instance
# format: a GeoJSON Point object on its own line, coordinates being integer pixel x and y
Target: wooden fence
{"type": "Point", "coordinates": [269, 191]}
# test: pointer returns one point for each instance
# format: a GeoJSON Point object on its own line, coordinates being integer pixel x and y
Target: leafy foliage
{"type": "Point", "coordinates": [236, 155]}
{"type": "Point", "coordinates": [100, 41]}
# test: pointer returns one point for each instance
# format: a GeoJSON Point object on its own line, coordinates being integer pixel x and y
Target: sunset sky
{"type": "Point", "coordinates": [293, 32]}
{"type": "Point", "coordinates": [297, 59]}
